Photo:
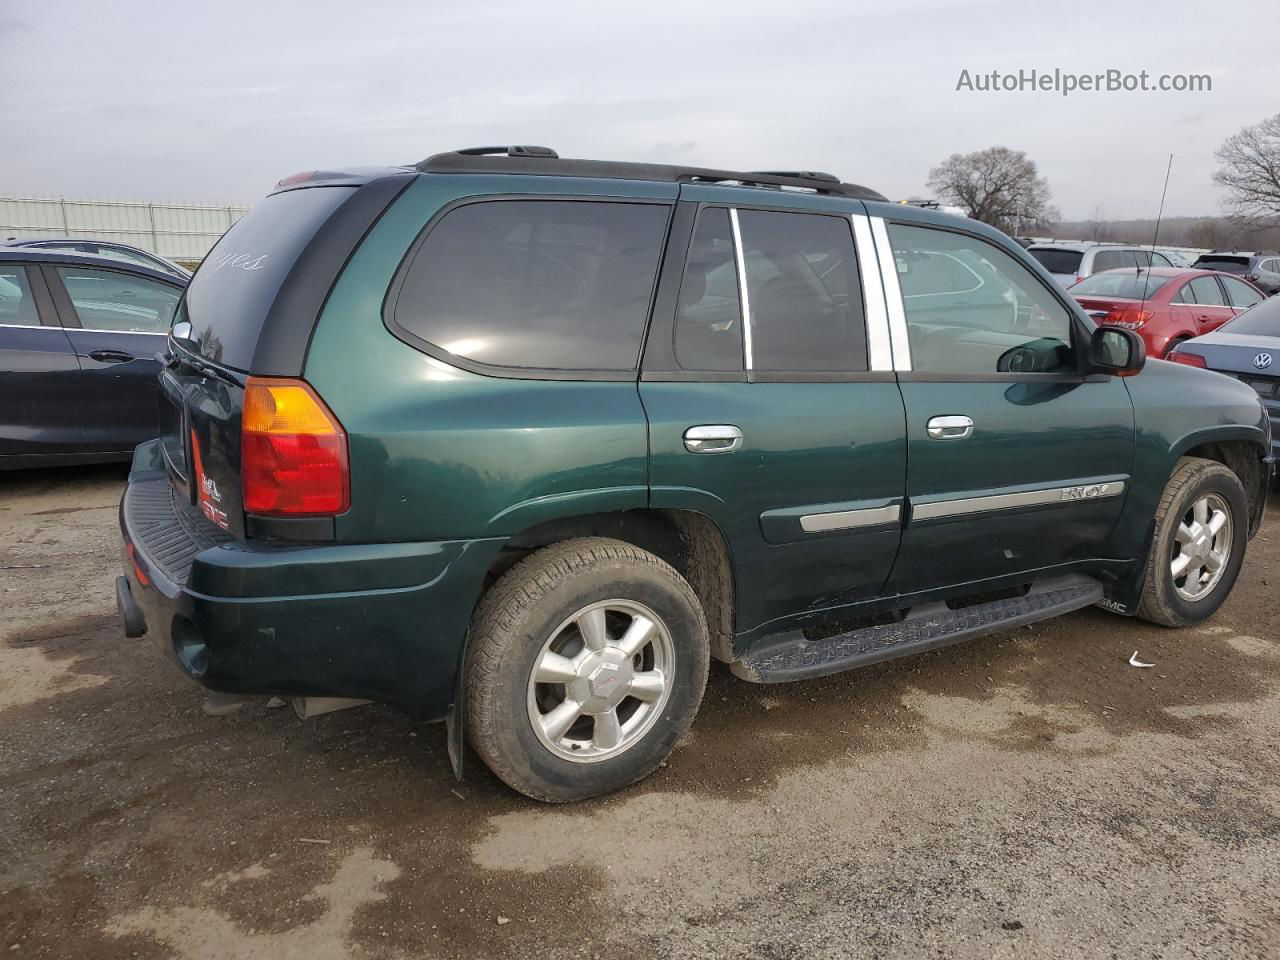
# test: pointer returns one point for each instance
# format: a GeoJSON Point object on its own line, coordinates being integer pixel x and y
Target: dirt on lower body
{"type": "Point", "coordinates": [1028, 794]}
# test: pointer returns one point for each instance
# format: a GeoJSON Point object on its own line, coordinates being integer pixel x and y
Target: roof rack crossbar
{"type": "Point", "coordinates": [532, 160]}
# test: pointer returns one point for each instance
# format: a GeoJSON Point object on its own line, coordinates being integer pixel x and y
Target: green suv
{"type": "Point", "coordinates": [522, 443]}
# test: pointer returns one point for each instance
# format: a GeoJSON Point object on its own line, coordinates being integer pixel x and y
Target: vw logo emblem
{"type": "Point", "coordinates": [1262, 361]}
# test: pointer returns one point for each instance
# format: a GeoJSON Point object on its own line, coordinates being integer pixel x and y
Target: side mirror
{"type": "Point", "coordinates": [1116, 351]}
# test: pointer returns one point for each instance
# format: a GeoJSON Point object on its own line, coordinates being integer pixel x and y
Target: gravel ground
{"type": "Point", "coordinates": [1029, 794]}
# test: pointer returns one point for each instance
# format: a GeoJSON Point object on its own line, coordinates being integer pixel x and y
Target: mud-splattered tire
{"type": "Point", "coordinates": [586, 663]}
{"type": "Point", "coordinates": [1202, 524]}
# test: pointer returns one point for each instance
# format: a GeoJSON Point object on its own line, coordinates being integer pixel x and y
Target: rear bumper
{"type": "Point", "coordinates": [383, 622]}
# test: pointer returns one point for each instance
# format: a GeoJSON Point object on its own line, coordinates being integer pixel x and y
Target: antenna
{"type": "Point", "coordinates": [1156, 236]}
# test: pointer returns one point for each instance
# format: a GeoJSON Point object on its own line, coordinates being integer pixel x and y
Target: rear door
{"type": "Point", "coordinates": [1017, 462]}
{"type": "Point", "coordinates": [40, 399]}
{"type": "Point", "coordinates": [771, 401]}
{"type": "Point", "coordinates": [117, 321]}
{"type": "Point", "coordinates": [1211, 308]}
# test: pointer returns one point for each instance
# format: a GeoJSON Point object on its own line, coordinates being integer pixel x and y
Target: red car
{"type": "Point", "coordinates": [1165, 305]}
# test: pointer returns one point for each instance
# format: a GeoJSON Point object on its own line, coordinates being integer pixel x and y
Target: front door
{"type": "Point", "coordinates": [1018, 462]}
{"type": "Point", "coordinates": [117, 322]}
{"type": "Point", "coordinates": [768, 410]}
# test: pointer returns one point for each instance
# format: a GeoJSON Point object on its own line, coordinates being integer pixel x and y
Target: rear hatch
{"type": "Point", "coordinates": [1223, 264]}
{"type": "Point", "coordinates": [1063, 264]}
{"type": "Point", "coordinates": [215, 345]}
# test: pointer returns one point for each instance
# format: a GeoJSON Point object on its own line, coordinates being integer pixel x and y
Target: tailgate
{"type": "Point", "coordinates": [200, 407]}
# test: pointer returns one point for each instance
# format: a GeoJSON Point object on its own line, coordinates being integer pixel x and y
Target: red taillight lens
{"type": "Point", "coordinates": [1131, 318]}
{"type": "Point", "coordinates": [1190, 359]}
{"type": "Point", "coordinates": [293, 452]}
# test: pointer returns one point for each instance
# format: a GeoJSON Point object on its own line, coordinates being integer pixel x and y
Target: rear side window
{"type": "Point", "coordinates": [540, 284]}
{"type": "Point", "coordinates": [803, 292]}
{"type": "Point", "coordinates": [708, 319]}
{"type": "Point", "coordinates": [1241, 294]}
{"type": "Point", "coordinates": [1205, 290]}
{"type": "Point", "coordinates": [17, 308]}
{"type": "Point", "coordinates": [1057, 261]}
{"type": "Point", "coordinates": [111, 300]}
{"type": "Point", "coordinates": [230, 295]}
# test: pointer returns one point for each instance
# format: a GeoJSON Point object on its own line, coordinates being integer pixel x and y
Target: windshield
{"type": "Point", "coordinates": [1261, 321]}
{"type": "Point", "coordinates": [1057, 261]}
{"type": "Point", "coordinates": [1225, 264]}
{"type": "Point", "coordinates": [1126, 284]}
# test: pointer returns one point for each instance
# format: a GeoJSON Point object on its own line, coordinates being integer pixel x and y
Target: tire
{"type": "Point", "coordinates": [1174, 345]}
{"type": "Point", "coordinates": [1179, 601]}
{"type": "Point", "coordinates": [554, 602]}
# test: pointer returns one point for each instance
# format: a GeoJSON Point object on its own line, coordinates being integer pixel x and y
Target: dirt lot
{"type": "Point", "coordinates": [1025, 795]}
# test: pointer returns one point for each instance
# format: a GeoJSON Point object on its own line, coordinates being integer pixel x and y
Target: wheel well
{"type": "Point", "coordinates": [1245, 459]}
{"type": "Point", "coordinates": [689, 541]}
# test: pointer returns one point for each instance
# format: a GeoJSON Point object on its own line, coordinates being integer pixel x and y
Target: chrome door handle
{"type": "Point", "coordinates": [949, 428]}
{"type": "Point", "coordinates": [713, 438]}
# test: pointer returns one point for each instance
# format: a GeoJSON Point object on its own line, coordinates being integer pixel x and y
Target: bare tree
{"type": "Point", "coordinates": [1250, 170]}
{"type": "Point", "coordinates": [998, 186]}
{"type": "Point", "coordinates": [1097, 225]}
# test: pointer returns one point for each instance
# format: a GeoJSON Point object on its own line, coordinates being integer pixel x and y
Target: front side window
{"type": "Point", "coordinates": [803, 292]}
{"type": "Point", "coordinates": [541, 284]}
{"type": "Point", "coordinates": [109, 300]}
{"type": "Point", "coordinates": [708, 332]}
{"type": "Point", "coordinates": [1241, 294]}
{"type": "Point", "coordinates": [973, 309]}
{"type": "Point", "coordinates": [17, 308]}
{"type": "Point", "coordinates": [1206, 291]}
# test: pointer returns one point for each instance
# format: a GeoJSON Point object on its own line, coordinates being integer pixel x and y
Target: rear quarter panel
{"type": "Point", "coordinates": [442, 453]}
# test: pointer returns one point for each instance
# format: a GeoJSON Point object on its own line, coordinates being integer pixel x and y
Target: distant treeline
{"type": "Point", "coordinates": [1218, 233]}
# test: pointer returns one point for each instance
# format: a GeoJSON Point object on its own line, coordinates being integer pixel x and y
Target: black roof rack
{"type": "Point", "coordinates": [546, 162]}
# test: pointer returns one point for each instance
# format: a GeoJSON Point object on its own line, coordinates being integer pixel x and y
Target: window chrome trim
{"type": "Point", "coordinates": [879, 347]}
{"type": "Point", "coordinates": [1078, 493]}
{"type": "Point", "coordinates": [740, 265]}
{"type": "Point", "coordinates": [892, 295]}
{"type": "Point", "coordinates": [848, 519]}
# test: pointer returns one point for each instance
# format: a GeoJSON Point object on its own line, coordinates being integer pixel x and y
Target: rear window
{"type": "Point", "coordinates": [1261, 321]}
{"type": "Point", "coordinates": [539, 284]}
{"type": "Point", "coordinates": [230, 295]}
{"type": "Point", "coordinates": [1057, 261]}
{"type": "Point", "coordinates": [1225, 264]}
{"type": "Point", "coordinates": [1122, 284]}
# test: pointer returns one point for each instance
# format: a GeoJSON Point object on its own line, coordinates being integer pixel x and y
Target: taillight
{"type": "Point", "coordinates": [1190, 359]}
{"type": "Point", "coordinates": [293, 452]}
{"type": "Point", "coordinates": [1131, 318]}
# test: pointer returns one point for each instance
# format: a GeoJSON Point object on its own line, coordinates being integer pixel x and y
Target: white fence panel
{"type": "Point", "coordinates": [180, 231]}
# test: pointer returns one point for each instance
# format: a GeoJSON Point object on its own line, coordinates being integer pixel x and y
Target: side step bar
{"type": "Point", "coordinates": [789, 656]}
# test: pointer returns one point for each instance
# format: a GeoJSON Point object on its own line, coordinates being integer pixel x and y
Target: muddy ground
{"type": "Point", "coordinates": [1025, 795]}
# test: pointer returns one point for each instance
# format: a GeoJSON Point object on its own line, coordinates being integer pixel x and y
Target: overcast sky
{"type": "Point", "coordinates": [215, 101]}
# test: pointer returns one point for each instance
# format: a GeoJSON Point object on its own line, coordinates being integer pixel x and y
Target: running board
{"type": "Point", "coordinates": [789, 656]}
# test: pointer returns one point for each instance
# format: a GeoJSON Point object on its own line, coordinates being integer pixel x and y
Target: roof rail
{"type": "Point", "coordinates": [511, 151]}
{"type": "Point", "coordinates": [546, 162]}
